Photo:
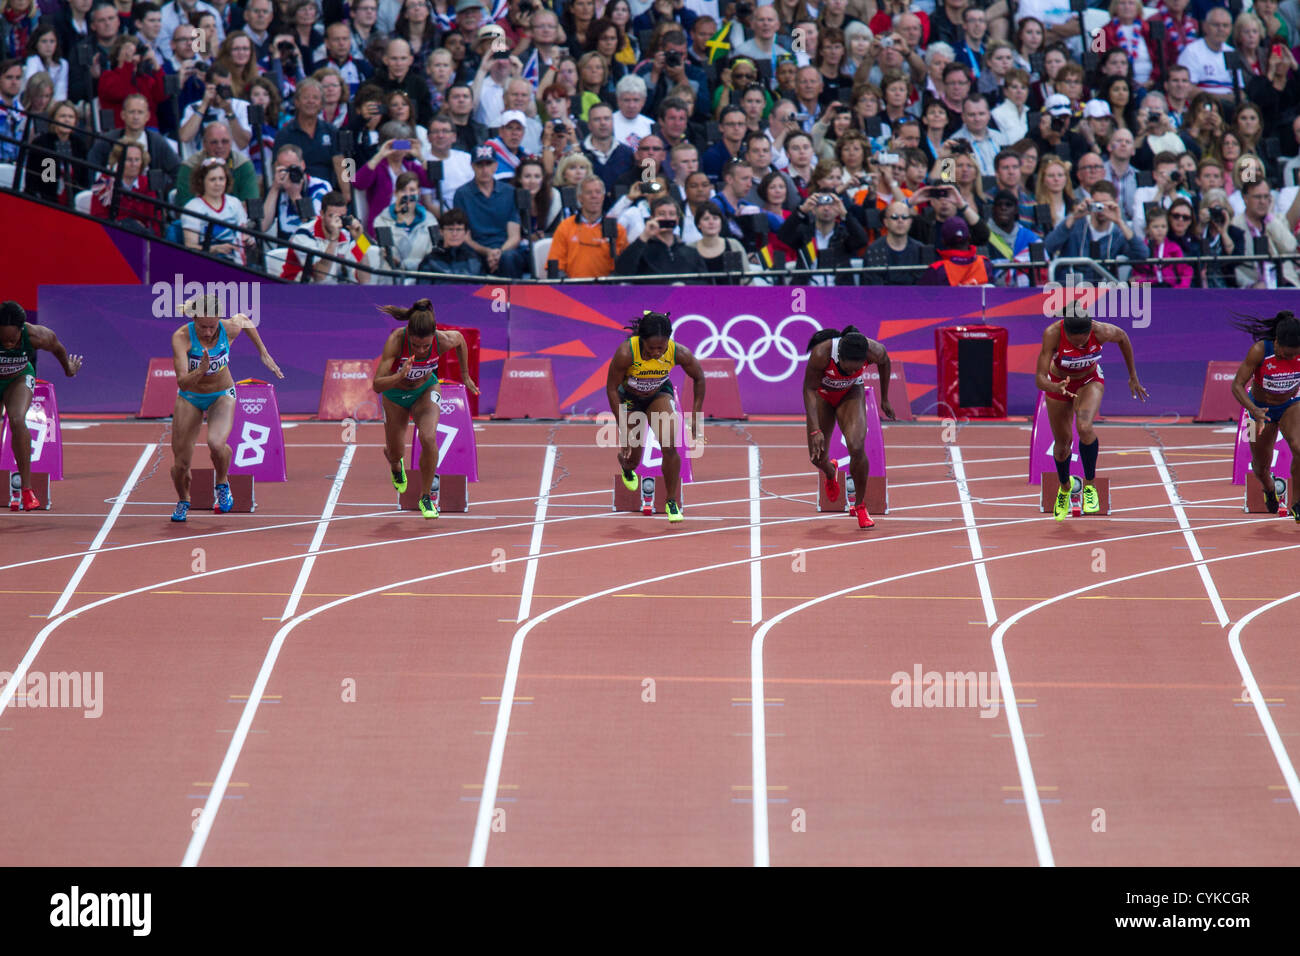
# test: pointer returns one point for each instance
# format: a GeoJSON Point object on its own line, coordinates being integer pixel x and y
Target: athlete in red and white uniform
{"type": "Point", "coordinates": [837, 370]}
{"type": "Point", "coordinates": [1272, 366]}
{"type": "Point", "coordinates": [1069, 371]}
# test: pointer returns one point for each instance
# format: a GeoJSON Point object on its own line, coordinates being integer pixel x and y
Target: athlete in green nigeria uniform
{"type": "Point", "coordinates": [19, 342]}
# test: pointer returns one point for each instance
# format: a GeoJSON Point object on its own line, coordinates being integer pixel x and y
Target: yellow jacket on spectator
{"type": "Point", "coordinates": [582, 250]}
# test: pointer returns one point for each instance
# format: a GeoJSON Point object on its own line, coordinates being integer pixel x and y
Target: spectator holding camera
{"type": "Point", "coordinates": [396, 154]}
{"type": "Point", "coordinates": [657, 250]}
{"type": "Point", "coordinates": [366, 114]}
{"type": "Point", "coordinates": [1054, 134]}
{"type": "Point", "coordinates": [217, 105]}
{"type": "Point", "coordinates": [822, 224]}
{"type": "Point", "coordinates": [1097, 221]}
{"type": "Point", "coordinates": [132, 72]}
{"type": "Point", "coordinates": [671, 67]}
{"type": "Point", "coordinates": [407, 223]}
{"type": "Point", "coordinates": [332, 233]}
{"type": "Point", "coordinates": [580, 245]}
{"type": "Point", "coordinates": [290, 183]}
{"type": "Point", "coordinates": [287, 68]}
{"type": "Point", "coordinates": [1218, 236]}
{"type": "Point", "coordinates": [454, 255]}
{"type": "Point", "coordinates": [633, 208]}
{"type": "Point", "coordinates": [494, 227]}
{"type": "Point", "coordinates": [494, 73]}
{"type": "Point", "coordinates": [1155, 132]}
{"type": "Point", "coordinates": [1169, 181]}
{"type": "Point", "coordinates": [935, 205]}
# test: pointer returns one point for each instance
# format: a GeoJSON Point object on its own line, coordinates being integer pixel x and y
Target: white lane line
{"type": "Point", "coordinates": [1175, 500]}
{"type": "Point", "coordinates": [104, 529]}
{"type": "Point", "coordinates": [758, 718]}
{"type": "Point", "coordinates": [318, 538]}
{"type": "Point", "coordinates": [973, 535]}
{"type": "Point", "coordinates": [1021, 475]}
{"type": "Point", "coordinates": [1257, 698]}
{"type": "Point", "coordinates": [535, 546]}
{"type": "Point", "coordinates": [755, 539]}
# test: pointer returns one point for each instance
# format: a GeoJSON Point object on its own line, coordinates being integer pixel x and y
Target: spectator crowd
{"type": "Point", "coordinates": [944, 142]}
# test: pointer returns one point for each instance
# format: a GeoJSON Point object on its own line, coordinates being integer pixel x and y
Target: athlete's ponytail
{"type": "Point", "coordinates": [855, 340]}
{"type": "Point", "coordinates": [1283, 328]}
{"type": "Point", "coordinates": [11, 313]}
{"type": "Point", "coordinates": [652, 325]}
{"type": "Point", "coordinates": [419, 317]}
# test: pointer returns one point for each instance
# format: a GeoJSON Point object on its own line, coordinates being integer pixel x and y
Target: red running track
{"type": "Point", "coordinates": [321, 682]}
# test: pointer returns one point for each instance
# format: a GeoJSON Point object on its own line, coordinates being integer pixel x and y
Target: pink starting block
{"type": "Point", "coordinates": [877, 490]}
{"type": "Point", "coordinates": [40, 486]}
{"type": "Point", "coordinates": [47, 444]}
{"type": "Point", "coordinates": [457, 455]}
{"type": "Point", "coordinates": [651, 466]}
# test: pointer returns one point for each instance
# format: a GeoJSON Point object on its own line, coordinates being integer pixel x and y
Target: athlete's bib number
{"type": "Point", "coordinates": [252, 445]}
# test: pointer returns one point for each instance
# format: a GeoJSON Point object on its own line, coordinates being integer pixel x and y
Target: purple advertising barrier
{"type": "Point", "coordinates": [765, 331]}
{"type": "Point", "coordinates": [256, 435]}
{"type": "Point", "coordinates": [457, 447]}
{"type": "Point", "coordinates": [1241, 453]}
{"type": "Point", "coordinates": [120, 328]}
{"type": "Point", "coordinates": [1042, 444]}
{"type": "Point", "coordinates": [46, 434]}
{"type": "Point", "coordinates": [873, 442]}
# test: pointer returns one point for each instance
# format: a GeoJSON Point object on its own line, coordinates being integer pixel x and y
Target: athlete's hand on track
{"type": "Point", "coordinates": [74, 365]}
{"type": "Point", "coordinates": [270, 364]}
{"type": "Point", "coordinates": [816, 447]}
{"type": "Point", "coordinates": [469, 384]}
{"type": "Point", "coordinates": [1136, 388]}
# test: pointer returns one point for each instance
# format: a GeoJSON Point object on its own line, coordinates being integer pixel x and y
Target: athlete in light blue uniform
{"type": "Point", "coordinates": [201, 354]}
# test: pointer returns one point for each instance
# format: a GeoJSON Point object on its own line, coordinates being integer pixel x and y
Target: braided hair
{"type": "Point", "coordinates": [854, 346]}
{"type": "Point", "coordinates": [1283, 328]}
{"type": "Point", "coordinates": [418, 318]}
{"type": "Point", "coordinates": [652, 325]}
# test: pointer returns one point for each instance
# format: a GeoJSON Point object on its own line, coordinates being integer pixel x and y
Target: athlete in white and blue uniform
{"type": "Point", "coordinates": [201, 355]}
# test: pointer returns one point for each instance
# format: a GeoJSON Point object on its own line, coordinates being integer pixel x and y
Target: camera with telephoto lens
{"type": "Point", "coordinates": [672, 59]}
{"type": "Point", "coordinates": [405, 202]}
{"type": "Point", "coordinates": [1060, 123]}
{"type": "Point", "coordinates": [295, 174]}
{"type": "Point", "coordinates": [1218, 216]}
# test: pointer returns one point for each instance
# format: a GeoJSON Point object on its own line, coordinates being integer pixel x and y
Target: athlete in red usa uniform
{"type": "Point", "coordinates": [1272, 368]}
{"type": "Point", "coordinates": [832, 392]}
{"type": "Point", "coordinates": [1069, 371]}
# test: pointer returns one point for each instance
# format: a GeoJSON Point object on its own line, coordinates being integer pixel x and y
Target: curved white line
{"type": "Point", "coordinates": [758, 723]}
{"type": "Point", "coordinates": [1257, 698]}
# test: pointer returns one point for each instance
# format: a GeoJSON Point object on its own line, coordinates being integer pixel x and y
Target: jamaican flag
{"type": "Point", "coordinates": [720, 45]}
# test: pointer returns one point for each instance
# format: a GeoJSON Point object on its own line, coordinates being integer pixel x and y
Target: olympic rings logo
{"type": "Point", "coordinates": [253, 406]}
{"type": "Point", "coordinates": [747, 353]}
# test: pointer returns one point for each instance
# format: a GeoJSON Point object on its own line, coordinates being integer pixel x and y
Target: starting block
{"type": "Point", "coordinates": [633, 501]}
{"type": "Point", "coordinates": [876, 499]}
{"type": "Point", "coordinates": [40, 485]}
{"type": "Point", "coordinates": [1254, 503]}
{"type": "Point", "coordinates": [1049, 484]}
{"type": "Point", "coordinates": [450, 493]}
{"type": "Point", "coordinates": [203, 491]}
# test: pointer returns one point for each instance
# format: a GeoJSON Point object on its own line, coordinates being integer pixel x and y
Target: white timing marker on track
{"type": "Point", "coordinates": [1257, 698]}
{"type": "Point", "coordinates": [973, 535]}
{"type": "Point", "coordinates": [1175, 500]}
{"type": "Point", "coordinates": [104, 529]}
{"type": "Point", "coordinates": [758, 718]}
{"type": "Point", "coordinates": [291, 607]}
{"type": "Point", "coordinates": [535, 546]}
{"type": "Point", "coordinates": [755, 539]}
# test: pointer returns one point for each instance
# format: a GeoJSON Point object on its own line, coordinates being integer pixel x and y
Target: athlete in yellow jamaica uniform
{"type": "Point", "coordinates": [638, 382]}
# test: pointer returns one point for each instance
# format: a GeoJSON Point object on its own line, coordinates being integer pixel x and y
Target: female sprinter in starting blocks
{"type": "Point", "coordinates": [638, 382]}
{"type": "Point", "coordinates": [837, 364]}
{"type": "Point", "coordinates": [1272, 368]}
{"type": "Point", "coordinates": [407, 378]}
{"type": "Point", "coordinates": [201, 354]}
{"type": "Point", "coordinates": [19, 343]}
{"type": "Point", "coordinates": [1069, 370]}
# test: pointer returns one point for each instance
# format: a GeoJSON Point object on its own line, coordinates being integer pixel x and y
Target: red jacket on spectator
{"type": "Point", "coordinates": [1173, 276]}
{"type": "Point", "coordinates": [130, 206]}
{"type": "Point", "coordinates": [116, 85]}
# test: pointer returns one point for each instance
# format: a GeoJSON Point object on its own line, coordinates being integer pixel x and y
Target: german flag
{"type": "Point", "coordinates": [720, 45]}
